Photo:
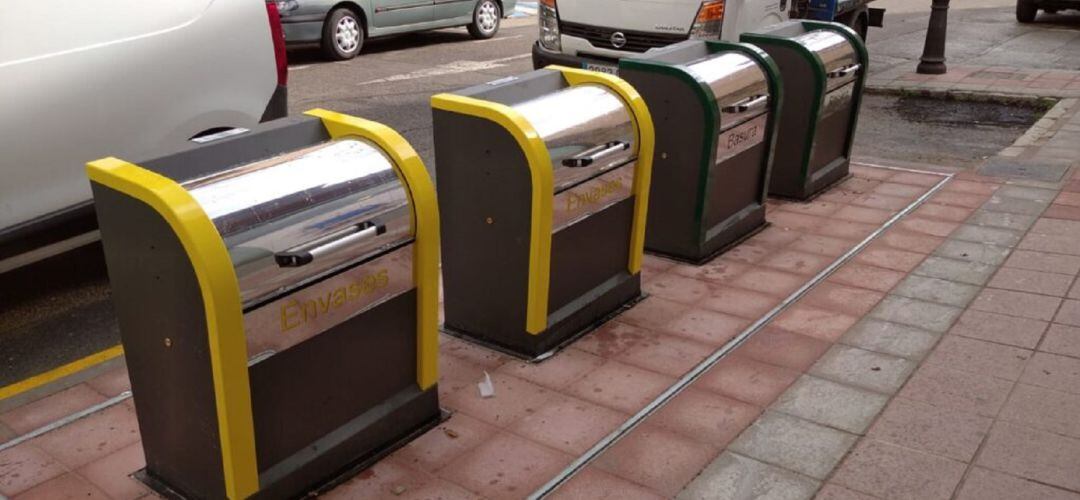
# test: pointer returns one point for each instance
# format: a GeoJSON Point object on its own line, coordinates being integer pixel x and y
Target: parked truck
{"type": "Point", "coordinates": [595, 34]}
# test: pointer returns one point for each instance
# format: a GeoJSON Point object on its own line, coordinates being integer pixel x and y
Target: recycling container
{"type": "Point", "coordinates": [715, 106]}
{"type": "Point", "coordinates": [543, 182]}
{"type": "Point", "coordinates": [824, 68]}
{"type": "Point", "coordinates": [277, 297]}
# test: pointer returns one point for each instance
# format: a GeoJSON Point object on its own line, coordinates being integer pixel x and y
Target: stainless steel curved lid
{"type": "Point", "coordinates": [293, 218]}
{"type": "Point", "coordinates": [587, 129]}
{"type": "Point", "coordinates": [739, 84]}
{"type": "Point", "coordinates": [836, 53]}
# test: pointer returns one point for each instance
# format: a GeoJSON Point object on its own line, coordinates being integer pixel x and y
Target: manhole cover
{"type": "Point", "coordinates": [1035, 170]}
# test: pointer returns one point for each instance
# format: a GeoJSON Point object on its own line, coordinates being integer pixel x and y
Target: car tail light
{"type": "Point", "coordinates": [709, 21]}
{"type": "Point", "coordinates": [549, 26]}
{"type": "Point", "coordinates": [278, 37]}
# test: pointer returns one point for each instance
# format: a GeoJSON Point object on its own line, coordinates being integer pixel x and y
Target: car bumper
{"type": "Point", "coordinates": [542, 58]}
{"type": "Point", "coordinates": [302, 31]}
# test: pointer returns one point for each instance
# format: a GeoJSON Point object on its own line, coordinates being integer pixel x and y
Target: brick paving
{"type": "Point", "coordinates": [1004, 80]}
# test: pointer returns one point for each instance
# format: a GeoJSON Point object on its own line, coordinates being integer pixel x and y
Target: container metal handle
{"type": "Point", "coordinates": [750, 103]}
{"type": "Point", "coordinates": [844, 72]}
{"type": "Point", "coordinates": [591, 155]}
{"type": "Point", "coordinates": [306, 253]}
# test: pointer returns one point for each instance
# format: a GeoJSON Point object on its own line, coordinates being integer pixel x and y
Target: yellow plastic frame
{"type": "Point", "coordinates": [543, 190]}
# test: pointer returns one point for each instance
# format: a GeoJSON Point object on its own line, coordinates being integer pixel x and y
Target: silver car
{"type": "Point", "coordinates": [128, 78]}
{"type": "Point", "coordinates": [340, 28]}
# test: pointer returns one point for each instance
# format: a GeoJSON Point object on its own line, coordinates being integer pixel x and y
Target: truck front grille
{"type": "Point", "coordinates": [636, 41]}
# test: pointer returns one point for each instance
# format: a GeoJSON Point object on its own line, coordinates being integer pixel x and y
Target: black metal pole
{"type": "Point", "coordinates": [932, 61]}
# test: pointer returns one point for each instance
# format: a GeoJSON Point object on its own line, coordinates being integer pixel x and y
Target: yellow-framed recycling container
{"type": "Point", "coordinates": [277, 297]}
{"type": "Point", "coordinates": [543, 181]}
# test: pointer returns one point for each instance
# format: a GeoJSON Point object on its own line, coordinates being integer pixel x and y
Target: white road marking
{"type": "Point", "coordinates": [300, 67]}
{"type": "Point", "coordinates": [451, 68]}
{"type": "Point", "coordinates": [501, 38]}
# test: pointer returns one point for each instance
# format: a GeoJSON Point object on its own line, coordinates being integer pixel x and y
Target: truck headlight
{"type": "Point", "coordinates": [709, 20]}
{"type": "Point", "coordinates": [549, 26]}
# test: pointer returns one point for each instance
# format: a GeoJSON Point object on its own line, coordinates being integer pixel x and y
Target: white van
{"type": "Point", "coordinates": [80, 80]}
{"type": "Point", "coordinates": [594, 34]}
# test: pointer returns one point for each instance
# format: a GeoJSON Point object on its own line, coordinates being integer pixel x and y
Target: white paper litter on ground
{"type": "Point", "coordinates": [487, 389]}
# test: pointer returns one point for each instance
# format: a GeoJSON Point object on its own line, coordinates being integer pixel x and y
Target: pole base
{"type": "Point", "coordinates": [931, 68]}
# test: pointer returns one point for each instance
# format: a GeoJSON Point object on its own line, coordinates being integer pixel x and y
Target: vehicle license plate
{"type": "Point", "coordinates": [603, 68]}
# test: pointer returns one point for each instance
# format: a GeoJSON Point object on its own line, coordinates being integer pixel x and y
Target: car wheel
{"type": "Point", "coordinates": [1026, 11]}
{"type": "Point", "coordinates": [486, 19]}
{"type": "Point", "coordinates": [343, 35]}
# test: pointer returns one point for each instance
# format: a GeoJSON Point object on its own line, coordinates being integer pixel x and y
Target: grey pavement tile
{"type": "Point", "coordinates": [983, 234]}
{"type": "Point", "coordinates": [941, 291]}
{"type": "Point", "coordinates": [794, 444]}
{"type": "Point", "coordinates": [861, 368]}
{"type": "Point", "coordinates": [890, 338]}
{"type": "Point", "coordinates": [917, 313]}
{"type": "Point", "coordinates": [1005, 220]}
{"type": "Point", "coordinates": [1026, 193]}
{"type": "Point", "coordinates": [972, 252]}
{"type": "Point", "coordinates": [735, 477]}
{"type": "Point", "coordinates": [972, 273]}
{"type": "Point", "coordinates": [1014, 205]}
{"type": "Point", "coordinates": [831, 404]}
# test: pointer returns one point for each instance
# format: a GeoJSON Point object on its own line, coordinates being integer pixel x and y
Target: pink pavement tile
{"type": "Point", "coordinates": [506, 466]}
{"type": "Point", "coordinates": [620, 386]}
{"type": "Point", "coordinates": [775, 283]}
{"type": "Point", "coordinates": [1052, 371]}
{"type": "Point", "coordinates": [569, 424]}
{"type": "Point", "coordinates": [677, 288]}
{"type": "Point", "coordinates": [93, 437]}
{"type": "Point", "coordinates": [709, 327]}
{"type": "Point", "coordinates": [719, 270]}
{"type": "Point", "coordinates": [657, 263]}
{"type": "Point", "coordinates": [814, 207]}
{"type": "Point", "coordinates": [775, 237]}
{"type": "Point", "coordinates": [1044, 409]}
{"type": "Point", "coordinates": [781, 348]}
{"type": "Point", "coordinates": [594, 484]}
{"type": "Point", "coordinates": [112, 382]}
{"type": "Point", "coordinates": [814, 322]}
{"type": "Point", "coordinates": [556, 372]}
{"type": "Point", "coordinates": [865, 215]}
{"type": "Point", "coordinates": [46, 410]}
{"type": "Point", "coordinates": [939, 431]}
{"type": "Point", "coordinates": [1062, 339]}
{"type": "Point", "coordinates": [981, 358]}
{"type": "Point", "coordinates": [456, 373]}
{"type": "Point", "coordinates": [66, 487]}
{"type": "Point", "coordinates": [943, 212]}
{"type": "Point", "coordinates": [881, 201]}
{"type": "Point", "coordinates": [910, 240]}
{"type": "Point", "coordinates": [1032, 454]}
{"type": "Point", "coordinates": [112, 474]}
{"type": "Point", "coordinates": [514, 398]}
{"type": "Point", "coordinates": [1069, 313]}
{"type": "Point", "coordinates": [797, 262]}
{"type": "Point", "coordinates": [391, 479]}
{"type": "Point", "coordinates": [888, 471]}
{"type": "Point", "coordinates": [970, 187]}
{"type": "Point", "coordinates": [957, 199]}
{"type": "Point", "coordinates": [667, 354]}
{"type": "Point", "coordinates": [843, 299]}
{"type": "Point", "coordinates": [857, 184]}
{"type": "Point", "coordinates": [1073, 186]}
{"type": "Point", "coordinates": [738, 302]}
{"type": "Point", "coordinates": [1023, 280]}
{"type": "Point", "coordinates": [658, 459]}
{"type": "Point", "coordinates": [822, 245]}
{"type": "Point", "coordinates": [442, 445]}
{"type": "Point", "coordinates": [612, 338]}
{"type": "Point", "coordinates": [868, 172]}
{"type": "Point", "coordinates": [929, 226]}
{"type": "Point", "coordinates": [748, 380]}
{"type": "Point", "coordinates": [883, 256]}
{"type": "Point", "coordinates": [864, 276]}
{"type": "Point", "coordinates": [1065, 212]}
{"type": "Point", "coordinates": [793, 221]}
{"type": "Point", "coordinates": [1045, 262]}
{"type": "Point", "coordinates": [986, 484]}
{"type": "Point", "coordinates": [747, 253]}
{"type": "Point", "coordinates": [654, 313]}
{"type": "Point", "coordinates": [957, 390]}
{"type": "Point", "coordinates": [476, 354]}
{"type": "Point", "coordinates": [840, 195]}
{"type": "Point", "coordinates": [833, 491]}
{"type": "Point", "coordinates": [1068, 198]}
{"type": "Point", "coordinates": [24, 467]}
{"type": "Point", "coordinates": [706, 417]}
{"type": "Point", "coordinates": [847, 229]}
{"type": "Point", "coordinates": [1020, 332]}
{"type": "Point", "coordinates": [1020, 304]}
{"type": "Point", "coordinates": [900, 190]}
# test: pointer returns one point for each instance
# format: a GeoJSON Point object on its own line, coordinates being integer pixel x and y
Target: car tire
{"type": "Point", "coordinates": [343, 35]}
{"type": "Point", "coordinates": [1026, 11]}
{"type": "Point", "coordinates": [486, 19]}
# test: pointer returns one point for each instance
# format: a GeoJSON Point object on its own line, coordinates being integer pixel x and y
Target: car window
{"type": "Point", "coordinates": [37, 29]}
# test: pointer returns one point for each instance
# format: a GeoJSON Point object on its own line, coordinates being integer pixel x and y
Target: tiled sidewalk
{"type": "Point", "coordinates": [1004, 80]}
